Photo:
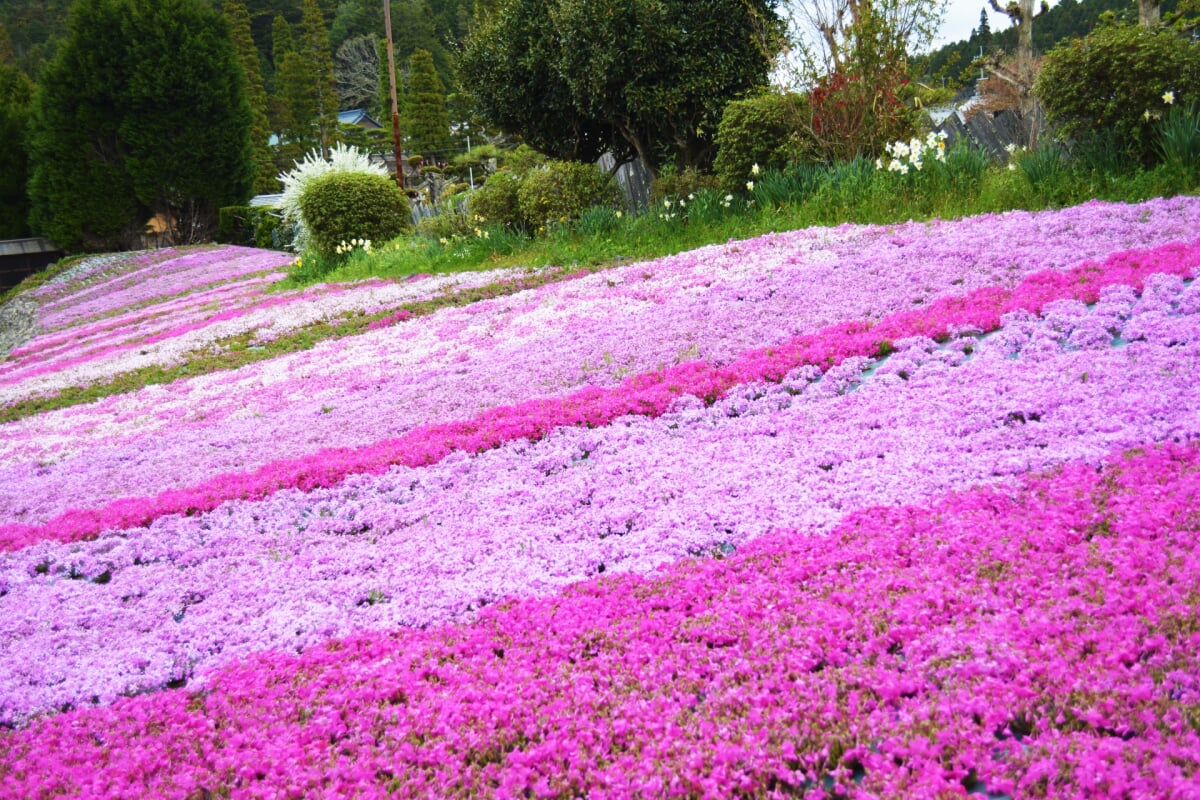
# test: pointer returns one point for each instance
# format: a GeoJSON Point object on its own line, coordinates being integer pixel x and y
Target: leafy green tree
{"type": "Point", "coordinates": [427, 120]}
{"type": "Point", "coordinates": [640, 78]}
{"type": "Point", "coordinates": [142, 112]}
{"type": "Point", "coordinates": [16, 92]}
{"type": "Point", "coordinates": [314, 48]}
{"type": "Point", "coordinates": [243, 42]}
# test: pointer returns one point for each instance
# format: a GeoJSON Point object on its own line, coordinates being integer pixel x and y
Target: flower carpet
{"type": "Point", "coordinates": [867, 511]}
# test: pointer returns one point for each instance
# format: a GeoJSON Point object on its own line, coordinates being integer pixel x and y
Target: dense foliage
{"type": "Point", "coordinates": [339, 207]}
{"type": "Point", "coordinates": [562, 190]}
{"type": "Point", "coordinates": [427, 119]}
{"type": "Point", "coordinates": [247, 54]}
{"type": "Point", "coordinates": [1117, 82]}
{"type": "Point", "coordinates": [765, 129]}
{"type": "Point", "coordinates": [647, 79]}
{"type": "Point", "coordinates": [496, 202]}
{"type": "Point", "coordinates": [1066, 19]}
{"type": "Point", "coordinates": [15, 95]}
{"type": "Point", "coordinates": [115, 137]}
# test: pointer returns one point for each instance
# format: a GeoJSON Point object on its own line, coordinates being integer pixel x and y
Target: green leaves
{"type": "Point", "coordinates": [143, 111]}
{"type": "Point", "coordinates": [1114, 80]}
{"type": "Point", "coordinates": [635, 77]}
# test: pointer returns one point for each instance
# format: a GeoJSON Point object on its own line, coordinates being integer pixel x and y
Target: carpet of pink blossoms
{"type": "Point", "coordinates": [132, 320]}
{"type": "Point", "coordinates": [782, 561]}
{"type": "Point", "coordinates": [713, 304]}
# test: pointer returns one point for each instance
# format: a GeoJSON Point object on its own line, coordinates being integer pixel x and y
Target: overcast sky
{"type": "Point", "coordinates": [962, 16]}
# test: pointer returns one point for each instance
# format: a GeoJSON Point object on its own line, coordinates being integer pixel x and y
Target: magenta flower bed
{"type": "Point", "coordinates": [426, 545]}
{"type": "Point", "coordinates": [648, 394]}
{"type": "Point", "coordinates": [865, 512]}
{"type": "Point", "coordinates": [1038, 641]}
{"type": "Point", "coordinates": [462, 363]}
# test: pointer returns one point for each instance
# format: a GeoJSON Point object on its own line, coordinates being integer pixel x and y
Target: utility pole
{"type": "Point", "coordinates": [387, 25]}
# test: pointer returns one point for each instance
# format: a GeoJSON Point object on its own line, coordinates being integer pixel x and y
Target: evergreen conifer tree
{"type": "Point", "coordinates": [243, 42]}
{"type": "Point", "coordinates": [143, 111]}
{"type": "Point", "coordinates": [291, 105]}
{"type": "Point", "coordinates": [985, 29]}
{"type": "Point", "coordinates": [16, 92]}
{"type": "Point", "coordinates": [314, 48]}
{"type": "Point", "coordinates": [428, 120]}
{"type": "Point", "coordinates": [80, 195]}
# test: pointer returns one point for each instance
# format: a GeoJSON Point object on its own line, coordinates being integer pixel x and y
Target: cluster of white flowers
{"type": "Point", "coordinates": [348, 247]}
{"type": "Point", "coordinates": [911, 154]}
{"type": "Point", "coordinates": [668, 205]}
{"type": "Point", "coordinates": [754, 170]}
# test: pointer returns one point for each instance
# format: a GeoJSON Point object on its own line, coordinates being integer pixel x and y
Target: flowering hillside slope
{"type": "Point", "coordinates": [871, 511]}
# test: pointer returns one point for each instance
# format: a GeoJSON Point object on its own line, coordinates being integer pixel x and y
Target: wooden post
{"type": "Point", "coordinates": [387, 26]}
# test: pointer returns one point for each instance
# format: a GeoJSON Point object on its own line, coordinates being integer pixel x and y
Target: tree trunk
{"type": "Point", "coordinates": [1021, 13]}
{"type": "Point", "coordinates": [1148, 12]}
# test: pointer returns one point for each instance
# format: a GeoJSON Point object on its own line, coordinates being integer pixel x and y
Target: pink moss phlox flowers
{"type": "Point", "coordinates": [1036, 640]}
{"type": "Point", "coordinates": [647, 394]}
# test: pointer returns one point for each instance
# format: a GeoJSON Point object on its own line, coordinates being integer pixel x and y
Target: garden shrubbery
{"type": "Point", "coordinates": [342, 206]}
{"type": "Point", "coordinates": [1116, 84]}
{"type": "Point", "coordinates": [496, 202]}
{"type": "Point", "coordinates": [562, 190]}
{"type": "Point", "coordinates": [766, 130]}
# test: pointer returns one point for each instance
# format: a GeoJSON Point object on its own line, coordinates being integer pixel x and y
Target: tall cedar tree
{"type": "Point", "coordinates": [292, 104]}
{"type": "Point", "coordinates": [314, 47]}
{"type": "Point", "coordinates": [260, 132]}
{"type": "Point", "coordinates": [16, 92]}
{"type": "Point", "coordinates": [428, 121]}
{"type": "Point", "coordinates": [143, 111]}
{"type": "Point", "coordinates": [187, 124]}
{"type": "Point", "coordinates": [80, 193]}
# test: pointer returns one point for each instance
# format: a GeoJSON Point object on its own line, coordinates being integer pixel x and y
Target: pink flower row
{"type": "Point", "coordinates": [1031, 641]}
{"type": "Point", "coordinates": [136, 610]}
{"type": "Point", "coordinates": [153, 275]}
{"type": "Point", "coordinates": [647, 394]}
{"type": "Point", "coordinates": [166, 332]}
{"type": "Point", "coordinates": [712, 304]}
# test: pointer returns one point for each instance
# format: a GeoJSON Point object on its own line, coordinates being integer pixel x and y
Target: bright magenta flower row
{"type": "Point", "coordinates": [647, 394]}
{"type": "Point", "coordinates": [1039, 640]}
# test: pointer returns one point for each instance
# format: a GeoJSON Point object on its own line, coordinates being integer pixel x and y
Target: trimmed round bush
{"type": "Point", "coordinates": [763, 130]}
{"type": "Point", "coordinates": [496, 203]}
{"type": "Point", "coordinates": [1112, 83]}
{"type": "Point", "coordinates": [562, 190]}
{"type": "Point", "coordinates": [341, 206]}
